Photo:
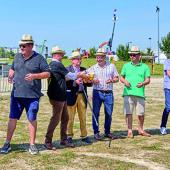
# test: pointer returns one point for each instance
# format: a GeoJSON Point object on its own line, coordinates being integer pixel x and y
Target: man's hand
{"type": "Point", "coordinates": [127, 84]}
{"type": "Point", "coordinates": [109, 81]}
{"type": "Point", "coordinates": [29, 77]}
{"type": "Point", "coordinates": [96, 81]}
{"type": "Point", "coordinates": [79, 81]}
{"type": "Point", "coordinates": [139, 85]}
{"type": "Point", "coordinates": [10, 76]}
{"type": "Point", "coordinates": [82, 75]}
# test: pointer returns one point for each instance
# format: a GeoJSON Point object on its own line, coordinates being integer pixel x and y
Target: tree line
{"type": "Point", "coordinates": [121, 51]}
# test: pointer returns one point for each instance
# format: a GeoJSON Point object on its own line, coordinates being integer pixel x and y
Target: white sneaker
{"type": "Point", "coordinates": [163, 131]}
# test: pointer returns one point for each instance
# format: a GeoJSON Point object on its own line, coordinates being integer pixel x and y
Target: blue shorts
{"type": "Point", "coordinates": [17, 105]}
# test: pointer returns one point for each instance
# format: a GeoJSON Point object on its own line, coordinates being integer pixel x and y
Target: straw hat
{"type": "Point", "coordinates": [26, 39]}
{"type": "Point", "coordinates": [57, 50]}
{"type": "Point", "coordinates": [100, 52]}
{"type": "Point", "coordinates": [134, 50]}
{"type": "Point", "coordinates": [75, 54]}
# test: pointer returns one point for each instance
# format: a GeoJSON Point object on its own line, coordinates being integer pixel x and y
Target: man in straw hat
{"type": "Point", "coordinates": [27, 70]}
{"type": "Point", "coordinates": [57, 96]}
{"type": "Point", "coordinates": [105, 74]}
{"type": "Point", "coordinates": [76, 99]}
{"type": "Point", "coordinates": [135, 75]}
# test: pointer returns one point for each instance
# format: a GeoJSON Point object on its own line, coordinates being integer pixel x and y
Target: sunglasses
{"type": "Point", "coordinates": [22, 46]}
{"type": "Point", "coordinates": [134, 55]}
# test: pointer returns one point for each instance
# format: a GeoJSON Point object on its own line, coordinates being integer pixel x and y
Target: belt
{"type": "Point", "coordinates": [105, 91]}
{"type": "Point", "coordinates": [80, 92]}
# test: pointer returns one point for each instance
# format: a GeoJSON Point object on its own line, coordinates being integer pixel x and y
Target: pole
{"type": "Point", "coordinates": [157, 10]}
{"type": "Point", "coordinates": [90, 107]}
{"type": "Point", "coordinates": [150, 42]}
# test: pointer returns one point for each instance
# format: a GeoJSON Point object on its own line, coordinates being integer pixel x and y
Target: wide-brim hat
{"type": "Point", "coordinates": [134, 50]}
{"type": "Point", "coordinates": [57, 50]}
{"type": "Point", "coordinates": [26, 39]}
{"type": "Point", "coordinates": [100, 52]}
{"type": "Point", "coordinates": [75, 54]}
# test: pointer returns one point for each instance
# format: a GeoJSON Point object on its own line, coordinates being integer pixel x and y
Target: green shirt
{"type": "Point", "coordinates": [135, 74]}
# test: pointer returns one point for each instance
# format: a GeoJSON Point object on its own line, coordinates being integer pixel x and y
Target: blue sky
{"type": "Point", "coordinates": [77, 23]}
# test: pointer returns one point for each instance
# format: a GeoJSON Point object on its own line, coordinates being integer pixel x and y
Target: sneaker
{"type": "Point", "coordinates": [97, 136]}
{"type": "Point", "coordinates": [33, 150]}
{"type": "Point", "coordinates": [6, 148]}
{"type": "Point", "coordinates": [67, 143]}
{"type": "Point", "coordinates": [86, 140]}
{"type": "Point", "coordinates": [70, 140]}
{"type": "Point", "coordinates": [49, 146]}
{"type": "Point", "coordinates": [163, 131]}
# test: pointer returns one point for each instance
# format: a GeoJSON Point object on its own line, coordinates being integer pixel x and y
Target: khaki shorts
{"type": "Point", "coordinates": [134, 102]}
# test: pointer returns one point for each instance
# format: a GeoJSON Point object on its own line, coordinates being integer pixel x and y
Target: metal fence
{"type": "Point", "coordinates": [5, 86]}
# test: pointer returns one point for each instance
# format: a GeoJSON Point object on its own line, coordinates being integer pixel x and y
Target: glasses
{"type": "Point", "coordinates": [134, 55]}
{"type": "Point", "coordinates": [22, 46]}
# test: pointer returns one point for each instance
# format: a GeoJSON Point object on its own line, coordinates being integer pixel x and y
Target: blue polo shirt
{"type": "Point", "coordinates": [35, 64]}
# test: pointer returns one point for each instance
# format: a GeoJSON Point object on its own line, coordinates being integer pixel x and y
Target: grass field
{"type": "Point", "coordinates": [139, 153]}
{"type": "Point", "coordinates": [157, 68]}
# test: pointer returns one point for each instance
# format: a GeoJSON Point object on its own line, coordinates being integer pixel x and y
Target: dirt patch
{"type": "Point", "coordinates": [148, 164]}
{"type": "Point", "coordinates": [19, 163]}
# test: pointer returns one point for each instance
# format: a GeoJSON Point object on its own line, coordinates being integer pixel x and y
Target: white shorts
{"type": "Point", "coordinates": [134, 102]}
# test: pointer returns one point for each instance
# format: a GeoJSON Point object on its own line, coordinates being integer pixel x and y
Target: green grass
{"type": "Point", "coordinates": [124, 153]}
{"type": "Point", "coordinates": [156, 71]}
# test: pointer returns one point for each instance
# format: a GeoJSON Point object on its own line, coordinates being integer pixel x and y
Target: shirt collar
{"type": "Point", "coordinates": [54, 59]}
{"type": "Point", "coordinates": [32, 54]}
{"type": "Point", "coordinates": [139, 64]}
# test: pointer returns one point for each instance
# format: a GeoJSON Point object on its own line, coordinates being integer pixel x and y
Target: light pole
{"type": "Point", "coordinates": [150, 42]}
{"type": "Point", "coordinates": [157, 10]}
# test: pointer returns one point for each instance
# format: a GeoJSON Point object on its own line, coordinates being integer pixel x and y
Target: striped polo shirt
{"type": "Point", "coordinates": [103, 74]}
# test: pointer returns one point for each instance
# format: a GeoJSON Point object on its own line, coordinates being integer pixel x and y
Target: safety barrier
{"type": "Point", "coordinates": [5, 86]}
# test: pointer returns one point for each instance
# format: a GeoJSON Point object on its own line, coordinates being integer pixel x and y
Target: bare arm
{"type": "Point", "coordinates": [147, 81]}
{"type": "Point", "coordinates": [113, 80]}
{"type": "Point", "coordinates": [32, 76]}
{"type": "Point", "coordinates": [124, 81]}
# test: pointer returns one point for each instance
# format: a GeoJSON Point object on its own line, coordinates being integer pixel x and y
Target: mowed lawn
{"type": "Point", "coordinates": [123, 154]}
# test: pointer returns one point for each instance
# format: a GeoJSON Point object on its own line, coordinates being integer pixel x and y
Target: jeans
{"type": "Point", "coordinates": [108, 100]}
{"type": "Point", "coordinates": [166, 109]}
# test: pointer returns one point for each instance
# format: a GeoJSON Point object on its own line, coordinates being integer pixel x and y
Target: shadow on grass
{"type": "Point", "coordinates": [135, 132]}
{"type": "Point", "coordinates": [24, 147]}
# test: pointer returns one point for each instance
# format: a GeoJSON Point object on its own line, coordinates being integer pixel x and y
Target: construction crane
{"type": "Point", "coordinates": [42, 47]}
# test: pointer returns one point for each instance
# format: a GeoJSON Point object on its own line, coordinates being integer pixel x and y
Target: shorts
{"type": "Point", "coordinates": [17, 105]}
{"type": "Point", "coordinates": [134, 102]}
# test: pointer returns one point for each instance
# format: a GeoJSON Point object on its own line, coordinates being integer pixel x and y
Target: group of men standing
{"type": "Point", "coordinates": [67, 92]}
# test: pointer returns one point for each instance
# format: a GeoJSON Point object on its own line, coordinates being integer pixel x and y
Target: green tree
{"type": "Point", "coordinates": [165, 45]}
{"type": "Point", "coordinates": [92, 52]}
{"type": "Point", "coordinates": [2, 52]}
{"type": "Point", "coordinates": [122, 52]}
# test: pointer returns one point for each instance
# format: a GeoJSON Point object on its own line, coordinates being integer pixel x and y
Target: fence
{"type": "Point", "coordinates": [5, 86]}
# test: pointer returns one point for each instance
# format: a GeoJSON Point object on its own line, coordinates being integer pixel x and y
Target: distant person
{"type": "Point", "coordinates": [57, 97]}
{"type": "Point", "coordinates": [135, 75]}
{"type": "Point", "coordinates": [27, 70]}
{"type": "Point", "coordinates": [105, 74]}
{"type": "Point", "coordinates": [166, 111]}
{"type": "Point", "coordinates": [76, 99]}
